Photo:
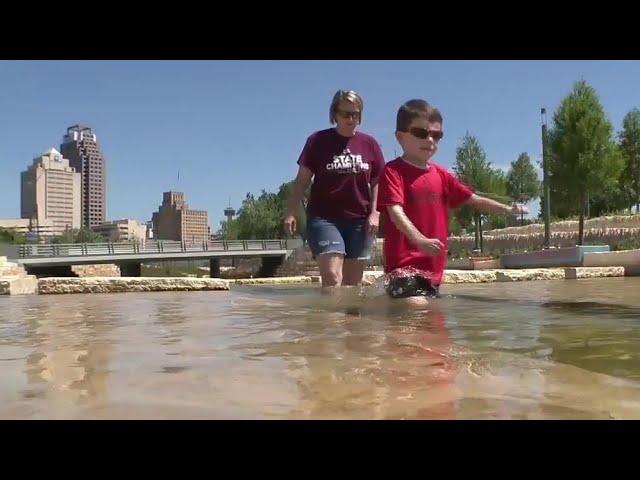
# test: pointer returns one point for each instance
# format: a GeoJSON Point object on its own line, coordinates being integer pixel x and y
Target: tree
{"type": "Point", "coordinates": [79, 235]}
{"type": "Point", "coordinates": [630, 151]}
{"type": "Point", "coordinates": [584, 159]}
{"type": "Point", "coordinates": [284, 193]}
{"type": "Point", "coordinates": [473, 168]}
{"type": "Point", "coordinates": [522, 181]}
{"type": "Point", "coordinates": [262, 217]}
{"type": "Point", "coordinates": [229, 230]}
{"type": "Point", "coordinates": [613, 199]}
{"type": "Point", "coordinates": [12, 237]}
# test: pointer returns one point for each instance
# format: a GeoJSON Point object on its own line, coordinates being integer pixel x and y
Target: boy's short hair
{"type": "Point", "coordinates": [416, 108]}
{"type": "Point", "coordinates": [349, 96]}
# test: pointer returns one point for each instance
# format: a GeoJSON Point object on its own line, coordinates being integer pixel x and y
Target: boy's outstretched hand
{"type": "Point", "coordinates": [519, 208]}
{"type": "Point", "coordinates": [431, 246]}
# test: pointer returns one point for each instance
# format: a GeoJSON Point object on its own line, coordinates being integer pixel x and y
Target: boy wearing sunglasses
{"type": "Point", "coordinates": [414, 198]}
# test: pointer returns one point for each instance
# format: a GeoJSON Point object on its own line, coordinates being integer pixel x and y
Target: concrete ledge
{"type": "Point", "coordinates": [276, 280]}
{"type": "Point", "coordinates": [632, 271]}
{"type": "Point", "coordinates": [99, 270]}
{"type": "Point", "coordinates": [520, 275]}
{"type": "Point", "coordinates": [10, 270]}
{"type": "Point", "coordinates": [60, 285]}
{"type": "Point", "coordinates": [530, 274]}
{"type": "Point", "coordinates": [553, 257]}
{"type": "Point", "coordinates": [612, 259]}
{"type": "Point", "coordinates": [593, 272]}
{"type": "Point", "coordinates": [491, 264]}
{"type": "Point", "coordinates": [18, 285]}
{"type": "Point", "coordinates": [469, 276]}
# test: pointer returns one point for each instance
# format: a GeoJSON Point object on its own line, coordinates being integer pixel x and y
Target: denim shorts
{"type": "Point", "coordinates": [345, 237]}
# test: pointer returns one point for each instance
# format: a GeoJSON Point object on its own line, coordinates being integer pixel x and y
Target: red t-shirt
{"type": "Point", "coordinates": [426, 196]}
{"type": "Point", "coordinates": [343, 169]}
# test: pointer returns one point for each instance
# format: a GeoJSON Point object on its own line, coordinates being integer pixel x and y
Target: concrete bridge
{"type": "Point", "coordinates": [57, 259]}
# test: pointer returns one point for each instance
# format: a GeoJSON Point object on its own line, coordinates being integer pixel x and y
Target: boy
{"type": "Point", "coordinates": [414, 198]}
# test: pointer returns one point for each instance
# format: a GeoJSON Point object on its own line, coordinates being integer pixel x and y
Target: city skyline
{"type": "Point", "coordinates": [50, 191]}
{"type": "Point", "coordinates": [219, 129]}
{"type": "Point", "coordinates": [80, 146]}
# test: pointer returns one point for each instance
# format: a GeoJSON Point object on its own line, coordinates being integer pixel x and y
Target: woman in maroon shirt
{"type": "Point", "coordinates": [343, 167]}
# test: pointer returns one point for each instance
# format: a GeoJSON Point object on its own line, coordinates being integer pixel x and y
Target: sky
{"type": "Point", "coordinates": [217, 130]}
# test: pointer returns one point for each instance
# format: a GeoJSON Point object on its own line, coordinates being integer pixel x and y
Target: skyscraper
{"type": "Point", "coordinates": [80, 146]}
{"type": "Point", "coordinates": [50, 193]}
{"type": "Point", "coordinates": [175, 221]}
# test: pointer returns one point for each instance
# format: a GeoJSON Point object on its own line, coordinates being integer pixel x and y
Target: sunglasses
{"type": "Point", "coordinates": [348, 114]}
{"type": "Point", "coordinates": [424, 133]}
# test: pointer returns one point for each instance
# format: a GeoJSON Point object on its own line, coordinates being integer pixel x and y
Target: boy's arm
{"type": "Point", "coordinates": [487, 205]}
{"type": "Point", "coordinates": [430, 246]}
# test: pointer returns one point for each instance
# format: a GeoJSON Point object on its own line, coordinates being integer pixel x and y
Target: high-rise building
{"type": "Point", "coordinates": [175, 221]}
{"type": "Point", "coordinates": [80, 146]}
{"type": "Point", "coordinates": [123, 230]}
{"type": "Point", "coordinates": [50, 193]}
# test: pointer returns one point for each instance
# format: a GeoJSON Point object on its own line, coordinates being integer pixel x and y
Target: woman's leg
{"type": "Point", "coordinates": [327, 245]}
{"type": "Point", "coordinates": [352, 270]}
{"type": "Point", "coordinates": [331, 269]}
{"type": "Point", "coordinates": [357, 250]}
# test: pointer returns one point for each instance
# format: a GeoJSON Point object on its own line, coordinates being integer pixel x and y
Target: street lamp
{"type": "Point", "coordinates": [545, 180]}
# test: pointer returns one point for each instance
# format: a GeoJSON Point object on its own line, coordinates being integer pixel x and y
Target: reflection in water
{"type": "Point", "coordinates": [67, 367]}
{"type": "Point", "coordinates": [344, 368]}
{"type": "Point", "coordinates": [521, 350]}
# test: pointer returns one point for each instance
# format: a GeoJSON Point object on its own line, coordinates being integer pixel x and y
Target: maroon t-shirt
{"type": "Point", "coordinates": [343, 169]}
{"type": "Point", "coordinates": [426, 195]}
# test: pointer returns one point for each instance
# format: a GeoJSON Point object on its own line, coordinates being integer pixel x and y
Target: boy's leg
{"type": "Point", "coordinates": [427, 288]}
{"type": "Point", "coordinates": [402, 286]}
{"type": "Point", "coordinates": [408, 283]}
{"type": "Point", "coordinates": [327, 245]}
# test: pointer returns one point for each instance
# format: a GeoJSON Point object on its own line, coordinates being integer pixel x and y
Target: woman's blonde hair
{"type": "Point", "coordinates": [349, 96]}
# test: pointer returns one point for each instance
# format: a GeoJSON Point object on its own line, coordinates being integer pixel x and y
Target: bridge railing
{"type": "Point", "coordinates": [151, 246]}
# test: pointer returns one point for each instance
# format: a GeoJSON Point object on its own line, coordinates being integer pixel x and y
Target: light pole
{"type": "Point", "coordinates": [545, 180]}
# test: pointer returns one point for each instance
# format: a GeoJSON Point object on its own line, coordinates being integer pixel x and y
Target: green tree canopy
{"type": "Point", "coordinates": [473, 168]}
{"type": "Point", "coordinates": [630, 151]}
{"type": "Point", "coordinates": [262, 217]}
{"type": "Point", "coordinates": [11, 236]}
{"type": "Point", "coordinates": [584, 159]}
{"type": "Point", "coordinates": [522, 179]}
{"type": "Point", "coordinates": [79, 235]}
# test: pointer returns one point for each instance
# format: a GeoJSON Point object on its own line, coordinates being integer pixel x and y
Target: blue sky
{"type": "Point", "coordinates": [232, 127]}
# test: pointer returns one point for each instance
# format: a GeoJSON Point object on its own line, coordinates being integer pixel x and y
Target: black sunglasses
{"type": "Point", "coordinates": [348, 114]}
{"type": "Point", "coordinates": [424, 133]}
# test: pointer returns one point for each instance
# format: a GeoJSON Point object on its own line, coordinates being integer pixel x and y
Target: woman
{"type": "Point", "coordinates": [342, 219]}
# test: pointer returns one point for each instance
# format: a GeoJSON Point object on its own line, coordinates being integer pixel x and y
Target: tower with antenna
{"type": "Point", "coordinates": [229, 212]}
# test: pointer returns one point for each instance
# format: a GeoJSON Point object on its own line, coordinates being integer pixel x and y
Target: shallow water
{"type": "Point", "coordinates": [556, 349]}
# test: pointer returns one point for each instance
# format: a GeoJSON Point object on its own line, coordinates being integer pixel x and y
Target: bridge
{"type": "Point", "coordinates": [57, 259]}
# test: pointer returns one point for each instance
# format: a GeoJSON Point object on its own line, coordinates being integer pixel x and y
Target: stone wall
{"type": "Point", "coordinates": [14, 279]}
{"type": "Point", "coordinates": [529, 274]}
{"type": "Point", "coordinates": [58, 285]}
{"type": "Point", "coordinates": [98, 270]}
